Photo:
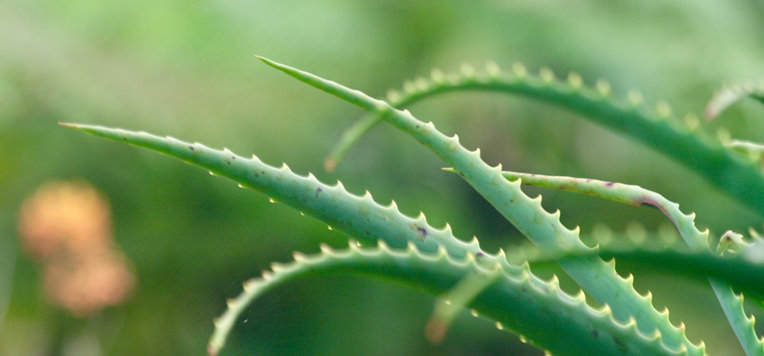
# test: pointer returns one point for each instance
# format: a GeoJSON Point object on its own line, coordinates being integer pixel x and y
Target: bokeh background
{"type": "Point", "coordinates": [186, 69]}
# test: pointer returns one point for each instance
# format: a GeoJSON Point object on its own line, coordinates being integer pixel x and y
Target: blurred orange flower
{"type": "Point", "coordinates": [67, 227]}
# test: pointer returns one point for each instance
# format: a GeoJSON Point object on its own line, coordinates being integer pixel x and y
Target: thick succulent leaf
{"type": "Point", "coordinates": [656, 128]}
{"type": "Point", "coordinates": [744, 271]}
{"type": "Point", "coordinates": [537, 310]}
{"type": "Point", "coordinates": [697, 240]}
{"type": "Point", "coordinates": [597, 278]}
{"type": "Point", "coordinates": [358, 216]}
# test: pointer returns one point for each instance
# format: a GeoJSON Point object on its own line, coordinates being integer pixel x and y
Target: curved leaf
{"type": "Point", "coordinates": [537, 310]}
{"type": "Point", "coordinates": [596, 277]}
{"type": "Point", "coordinates": [653, 127]}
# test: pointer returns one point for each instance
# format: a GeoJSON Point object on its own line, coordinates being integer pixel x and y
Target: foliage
{"type": "Point", "coordinates": [434, 260]}
{"type": "Point", "coordinates": [185, 68]}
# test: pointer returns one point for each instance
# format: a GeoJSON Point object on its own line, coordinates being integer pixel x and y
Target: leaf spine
{"type": "Point", "coordinates": [492, 68]}
{"type": "Point", "coordinates": [299, 256]}
{"type": "Point", "coordinates": [422, 84]}
{"type": "Point", "coordinates": [663, 109]}
{"type": "Point", "coordinates": [518, 69]}
{"type": "Point", "coordinates": [635, 97]}
{"type": "Point", "coordinates": [546, 74]}
{"type": "Point", "coordinates": [692, 122]}
{"type": "Point", "coordinates": [437, 76]}
{"type": "Point", "coordinates": [603, 87]}
{"type": "Point", "coordinates": [250, 285]}
{"type": "Point", "coordinates": [468, 71]}
{"type": "Point", "coordinates": [409, 87]}
{"type": "Point", "coordinates": [393, 96]}
{"type": "Point", "coordinates": [575, 81]}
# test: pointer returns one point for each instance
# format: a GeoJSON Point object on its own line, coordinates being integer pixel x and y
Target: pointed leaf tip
{"type": "Point", "coordinates": [270, 62]}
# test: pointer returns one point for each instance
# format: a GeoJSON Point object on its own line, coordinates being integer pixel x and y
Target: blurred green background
{"type": "Point", "coordinates": [185, 68]}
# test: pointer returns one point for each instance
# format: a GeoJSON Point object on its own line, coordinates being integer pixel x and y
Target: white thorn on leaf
{"type": "Point", "coordinates": [603, 87]}
{"type": "Point", "coordinates": [692, 121]}
{"type": "Point", "coordinates": [393, 96]}
{"type": "Point", "coordinates": [492, 69]}
{"type": "Point", "coordinates": [422, 84]}
{"type": "Point", "coordinates": [635, 97]}
{"type": "Point", "coordinates": [467, 70]}
{"type": "Point", "coordinates": [663, 109]}
{"type": "Point", "coordinates": [437, 76]}
{"type": "Point", "coordinates": [575, 80]}
{"type": "Point", "coordinates": [546, 74]}
{"type": "Point", "coordinates": [519, 70]}
{"type": "Point", "coordinates": [409, 87]}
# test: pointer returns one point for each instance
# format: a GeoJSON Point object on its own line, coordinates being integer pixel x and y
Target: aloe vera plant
{"type": "Point", "coordinates": [389, 244]}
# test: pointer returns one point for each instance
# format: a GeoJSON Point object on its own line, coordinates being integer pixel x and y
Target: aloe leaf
{"type": "Point", "coordinates": [743, 271]}
{"type": "Point", "coordinates": [596, 277]}
{"type": "Point", "coordinates": [537, 310]}
{"type": "Point", "coordinates": [360, 216]}
{"type": "Point", "coordinates": [656, 128]}
{"type": "Point", "coordinates": [697, 240]}
{"type": "Point", "coordinates": [729, 95]}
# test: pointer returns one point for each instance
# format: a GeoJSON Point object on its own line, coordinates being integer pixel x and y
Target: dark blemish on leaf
{"type": "Point", "coordinates": [479, 255]}
{"type": "Point", "coordinates": [233, 157]}
{"type": "Point", "coordinates": [619, 344]}
{"type": "Point", "coordinates": [318, 191]}
{"type": "Point", "coordinates": [191, 148]}
{"type": "Point", "coordinates": [649, 204]}
{"type": "Point", "coordinates": [609, 184]}
{"type": "Point", "coordinates": [422, 232]}
{"type": "Point", "coordinates": [417, 126]}
{"type": "Point", "coordinates": [596, 333]}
